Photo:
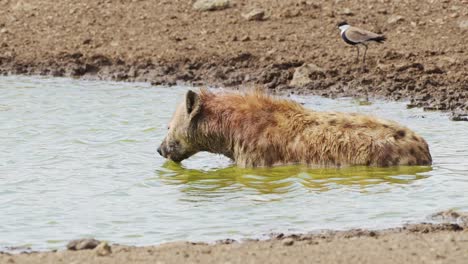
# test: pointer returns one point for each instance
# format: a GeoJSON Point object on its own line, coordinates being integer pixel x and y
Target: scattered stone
{"type": "Point", "coordinates": [81, 244]}
{"type": "Point", "coordinates": [211, 5]}
{"type": "Point", "coordinates": [288, 242]}
{"type": "Point", "coordinates": [459, 117]}
{"type": "Point", "coordinates": [256, 14]}
{"type": "Point", "coordinates": [289, 13]}
{"type": "Point", "coordinates": [382, 11]}
{"type": "Point", "coordinates": [463, 24]}
{"type": "Point", "coordinates": [439, 21]}
{"type": "Point", "coordinates": [306, 74]}
{"type": "Point", "coordinates": [245, 38]}
{"type": "Point", "coordinates": [395, 19]}
{"type": "Point", "coordinates": [452, 216]}
{"type": "Point", "coordinates": [405, 66]}
{"type": "Point", "coordinates": [227, 241]}
{"type": "Point", "coordinates": [434, 70]}
{"type": "Point", "coordinates": [103, 249]}
{"type": "Point", "coordinates": [346, 12]}
{"type": "Point", "coordinates": [279, 236]}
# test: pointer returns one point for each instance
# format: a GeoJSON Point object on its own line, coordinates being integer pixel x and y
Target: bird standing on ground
{"type": "Point", "coordinates": [355, 36]}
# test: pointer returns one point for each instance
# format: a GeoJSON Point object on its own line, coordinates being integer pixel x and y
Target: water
{"type": "Point", "coordinates": [78, 158]}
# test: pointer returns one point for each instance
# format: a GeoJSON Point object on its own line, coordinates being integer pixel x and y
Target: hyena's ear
{"type": "Point", "coordinates": [192, 103]}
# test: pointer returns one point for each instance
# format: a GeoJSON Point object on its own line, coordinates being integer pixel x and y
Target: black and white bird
{"type": "Point", "coordinates": [355, 36]}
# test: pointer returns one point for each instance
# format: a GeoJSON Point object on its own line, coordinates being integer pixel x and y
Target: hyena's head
{"type": "Point", "coordinates": [178, 145]}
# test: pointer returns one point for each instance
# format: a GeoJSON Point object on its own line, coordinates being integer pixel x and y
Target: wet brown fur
{"type": "Point", "coordinates": [255, 129]}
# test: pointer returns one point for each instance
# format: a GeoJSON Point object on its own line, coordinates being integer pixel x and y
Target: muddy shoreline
{"type": "Point", "coordinates": [295, 46]}
{"type": "Point", "coordinates": [414, 243]}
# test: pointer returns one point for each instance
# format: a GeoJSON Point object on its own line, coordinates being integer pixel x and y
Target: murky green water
{"type": "Point", "coordinates": [78, 158]}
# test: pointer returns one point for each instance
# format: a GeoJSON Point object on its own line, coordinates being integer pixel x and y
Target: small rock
{"type": "Point", "coordinates": [395, 19]}
{"type": "Point", "coordinates": [382, 11]}
{"type": "Point", "coordinates": [80, 244]}
{"type": "Point", "coordinates": [305, 74]}
{"type": "Point", "coordinates": [460, 117]}
{"type": "Point", "coordinates": [290, 13]}
{"type": "Point", "coordinates": [226, 241]}
{"type": "Point", "coordinates": [434, 70]}
{"type": "Point", "coordinates": [103, 249]}
{"type": "Point", "coordinates": [347, 12]}
{"type": "Point", "coordinates": [279, 236]}
{"type": "Point", "coordinates": [256, 14]}
{"type": "Point", "coordinates": [3, 30]}
{"type": "Point", "coordinates": [452, 216]}
{"type": "Point", "coordinates": [288, 242]}
{"type": "Point", "coordinates": [245, 38]}
{"type": "Point", "coordinates": [87, 41]}
{"type": "Point", "coordinates": [211, 5]}
{"type": "Point", "coordinates": [407, 66]}
{"type": "Point", "coordinates": [463, 24]}
{"type": "Point", "coordinates": [439, 21]}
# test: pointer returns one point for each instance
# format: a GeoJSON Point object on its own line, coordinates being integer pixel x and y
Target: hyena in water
{"type": "Point", "coordinates": [256, 129]}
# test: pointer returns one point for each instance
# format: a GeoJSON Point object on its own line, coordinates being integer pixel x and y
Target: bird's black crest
{"type": "Point", "coordinates": [342, 23]}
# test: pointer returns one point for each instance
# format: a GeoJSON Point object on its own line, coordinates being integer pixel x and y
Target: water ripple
{"type": "Point", "coordinates": [79, 159]}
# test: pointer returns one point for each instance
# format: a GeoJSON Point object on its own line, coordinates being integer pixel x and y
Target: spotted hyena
{"type": "Point", "coordinates": [255, 129]}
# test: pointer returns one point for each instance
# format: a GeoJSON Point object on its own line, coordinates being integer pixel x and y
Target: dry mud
{"type": "Point", "coordinates": [424, 61]}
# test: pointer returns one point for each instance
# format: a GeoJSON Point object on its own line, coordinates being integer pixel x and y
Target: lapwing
{"type": "Point", "coordinates": [355, 36]}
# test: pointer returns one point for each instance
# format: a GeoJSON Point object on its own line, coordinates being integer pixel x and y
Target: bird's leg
{"type": "Point", "coordinates": [357, 57]}
{"type": "Point", "coordinates": [365, 52]}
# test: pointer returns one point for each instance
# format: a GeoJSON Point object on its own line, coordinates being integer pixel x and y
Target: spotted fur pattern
{"type": "Point", "coordinates": [256, 129]}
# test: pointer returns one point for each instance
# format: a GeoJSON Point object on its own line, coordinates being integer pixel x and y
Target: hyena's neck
{"type": "Point", "coordinates": [248, 134]}
{"type": "Point", "coordinates": [213, 136]}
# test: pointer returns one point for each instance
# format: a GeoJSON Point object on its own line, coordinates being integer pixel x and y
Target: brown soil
{"type": "Point", "coordinates": [422, 243]}
{"type": "Point", "coordinates": [425, 59]}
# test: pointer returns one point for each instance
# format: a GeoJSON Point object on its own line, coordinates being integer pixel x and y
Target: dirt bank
{"type": "Point", "coordinates": [422, 243]}
{"type": "Point", "coordinates": [424, 60]}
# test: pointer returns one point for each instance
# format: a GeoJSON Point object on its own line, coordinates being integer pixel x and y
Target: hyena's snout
{"type": "Point", "coordinates": [159, 151]}
{"type": "Point", "coordinates": [162, 150]}
{"type": "Point", "coordinates": [174, 150]}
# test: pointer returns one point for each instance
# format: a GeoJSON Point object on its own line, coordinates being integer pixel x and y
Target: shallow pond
{"type": "Point", "coordinates": [78, 158]}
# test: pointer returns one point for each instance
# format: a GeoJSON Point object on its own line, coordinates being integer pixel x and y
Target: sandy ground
{"type": "Point", "coordinates": [425, 59]}
{"type": "Point", "coordinates": [423, 243]}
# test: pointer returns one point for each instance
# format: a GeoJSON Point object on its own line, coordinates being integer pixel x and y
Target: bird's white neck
{"type": "Point", "coordinates": [343, 28]}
